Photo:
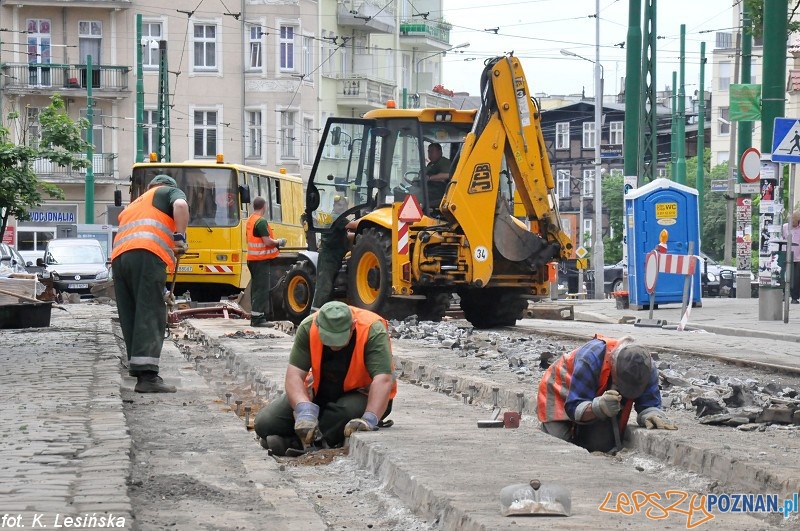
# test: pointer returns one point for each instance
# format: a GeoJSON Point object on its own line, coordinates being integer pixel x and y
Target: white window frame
{"type": "Point", "coordinates": [587, 186]}
{"type": "Point", "coordinates": [563, 183]}
{"type": "Point", "coordinates": [309, 146]}
{"type": "Point", "coordinates": [256, 33]}
{"type": "Point", "coordinates": [588, 139]}
{"type": "Point", "coordinates": [724, 76]}
{"type": "Point", "coordinates": [308, 59]}
{"type": "Point", "coordinates": [287, 145]}
{"type": "Point", "coordinates": [255, 127]}
{"type": "Point", "coordinates": [282, 43]}
{"type": "Point", "coordinates": [562, 135]}
{"type": "Point", "coordinates": [218, 129]}
{"type": "Point", "coordinates": [216, 68]}
{"type": "Point", "coordinates": [615, 133]}
{"type": "Point", "coordinates": [724, 114]}
{"type": "Point", "coordinates": [150, 56]}
{"type": "Point", "coordinates": [150, 127]}
{"type": "Point", "coordinates": [586, 241]}
{"type": "Point", "coordinates": [328, 59]}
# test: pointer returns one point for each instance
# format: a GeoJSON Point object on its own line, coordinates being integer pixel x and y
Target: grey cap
{"type": "Point", "coordinates": [631, 372]}
{"type": "Point", "coordinates": [163, 179]}
{"type": "Point", "coordinates": [335, 324]}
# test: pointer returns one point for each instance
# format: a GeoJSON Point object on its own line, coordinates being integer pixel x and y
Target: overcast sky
{"type": "Point", "coordinates": [536, 30]}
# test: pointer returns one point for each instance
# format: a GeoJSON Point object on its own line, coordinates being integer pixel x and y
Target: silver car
{"type": "Point", "coordinates": [75, 264]}
{"type": "Point", "coordinates": [10, 258]}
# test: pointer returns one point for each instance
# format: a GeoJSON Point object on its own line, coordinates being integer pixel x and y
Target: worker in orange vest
{"type": "Point", "coordinates": [339, 380]}
{"type": "Point", "coordinates": [152, 232]}
{"type": "Point", "coordinates": [584, 391]}
{"type": "Point", "coordinates": [262, 248]}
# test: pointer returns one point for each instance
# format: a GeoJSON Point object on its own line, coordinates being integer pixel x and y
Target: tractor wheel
{"type": "Point", "coordinates": [298, 292]}
{"type": "Point", "coordinates": [491, 307]}
{"type": "Point", "coordinates": [433, 307]}
{"type": "Point", "coordinates": [369, 272]}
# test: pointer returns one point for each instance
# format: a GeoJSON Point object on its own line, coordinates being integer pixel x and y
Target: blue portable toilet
{"type": "Point", "coordinates": [661, 204]}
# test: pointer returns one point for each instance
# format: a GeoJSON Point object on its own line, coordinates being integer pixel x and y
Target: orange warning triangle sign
{"type": "Point", "coordinates": [410, 211]}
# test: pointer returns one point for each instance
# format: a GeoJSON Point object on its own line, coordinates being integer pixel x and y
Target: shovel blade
{"type": "Point", "coordinates": [535, 499]}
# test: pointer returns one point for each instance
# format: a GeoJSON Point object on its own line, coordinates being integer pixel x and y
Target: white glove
{"type": "Point", "coordinates": [281, 242]}
{"type": "Point", "coordinates": [654, 419]}
{"type": "Point", "coordinates": [607, 405]}
{"type": "Point", "coordinates": [367, 422]}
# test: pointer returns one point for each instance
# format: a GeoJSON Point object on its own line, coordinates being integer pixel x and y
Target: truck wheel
{"type": "Point", "coordinates": [298, 292]}
{"type": "Point", "coordinates": [488, 308]}
{"type": "Point", "coordinates": [369, 280]}
{"type": "Point", "coordinates": [433, 307]}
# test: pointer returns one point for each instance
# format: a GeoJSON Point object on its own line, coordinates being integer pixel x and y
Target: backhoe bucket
{"type": "Point", "coordinates": [535, 499]}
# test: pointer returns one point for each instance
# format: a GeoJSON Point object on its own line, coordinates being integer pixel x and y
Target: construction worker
{"type": "Point", "coordinates": [438, 172]}
{"type": "Point", "coordinates": [339, 381]}
{"type": "Point", "coordinates": [584, 392]}
{"type": "Point", "coordinates": [152, 232]}
{"type": "Point", "coordinates": [333, 247]}
{"type": "Point", "coordinates": [262, 248]}
{"type": "Point", "coordinates": [792, 234]}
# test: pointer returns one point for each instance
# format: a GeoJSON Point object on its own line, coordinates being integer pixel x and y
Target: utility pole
{"type": "Point", "coordinates": [89, 193]}
{"type": "Point", "coordinates": [701, 134]}
{"type": "Point", "coordinates": [680, 155]}
{"type": "Point", "coordinates": [139, 93]}
{"type": "Point", "coordinates": [673, 140]}
{"type": "Point", "coordinates": [648, 131]}
{"type": "Point", "coordinates": [633, 85]}
{"type": "Point", "coordinates": [730, 196]}
{"type": "Point", "coordinates": [598, 251]}
{"type": "Point", "coordinates": [164, 142]}
{"type": "Point", "coordinates": [745, 142]}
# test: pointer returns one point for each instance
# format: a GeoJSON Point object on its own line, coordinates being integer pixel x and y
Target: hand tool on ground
{"type": "Point", "coordinates": [174, 277]}
{"type": "Point", "coordinates": [617, 438]}
{"type": "Point", "coordinates": [493, 421]}
{"type": "Point", "coordinates": [535, 498]}
{"type": "Point", "coordinates": [30, 299]}
{"type": "Point", "coordinates": [317, 444]}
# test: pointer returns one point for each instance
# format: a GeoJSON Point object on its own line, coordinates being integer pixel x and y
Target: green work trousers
{"type": "Point", "coordinates": [278, 417]}
{"type": "Point", "coordinates": [260, 284]}
{"type": "Point", "coordinates": [332, 251]}
{"type": "Point", "coordinates": [139, 280]}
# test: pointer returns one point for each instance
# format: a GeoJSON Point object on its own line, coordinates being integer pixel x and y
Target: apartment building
{"type": "Point", "coordinates": [254, 80]}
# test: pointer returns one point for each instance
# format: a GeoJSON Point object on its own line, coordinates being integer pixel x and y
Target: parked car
{"type": "Point", "coordinates": [612, 277]}
{"type": "Point", "coordinates": [10, 257]}
{"type": "Point", "coordinates": [75, 264]}
{"type": "Point", "coordinates": [720, 280]}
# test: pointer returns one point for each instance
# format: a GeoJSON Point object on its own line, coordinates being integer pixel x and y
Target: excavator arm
{"type": "Point", "coordinates": [507, 128]}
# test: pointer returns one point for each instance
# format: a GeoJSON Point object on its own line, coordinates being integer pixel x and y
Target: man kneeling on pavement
{"type": "Point", "coordinates": [343, 354]}
{"type": "Point", "coordinates": [585, 391]}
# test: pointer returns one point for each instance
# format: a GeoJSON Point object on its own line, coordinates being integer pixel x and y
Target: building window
{"type": "Point", "coordinates": [587, 232]}
{"type": "Point", "coordinates": [287, 135]}
{"type": "Point", "coordinates": [286, 45]}
{"type": "Point", "coordinates": [588, 183]}
{"type": "Point", "coordinates": [254, 61]}
{"type": "Point", "coordinates": [724, 121]}
{"type": "Point", "coordinates": [328, 54]}
{"type": "Point", "coordinates": [205, 47]}
{"type": "Point", "coordinates": [724, 75]}
{"type": "Point", "coordinates": [150, 126]}
{"type": "Point", "coordinates": [151, 31]}
{"type": "Point", "coordinates": [308, 141]}
{"type": "Point", "coordinates": [205, 134]}
{"type": "Point", "coordinates": [615, 133]}
{"type": "Point", "coordinates": [308, 57]}
{"type": "Point", "coordinates": [33, 133]}
{"type": "Point", "coordinates": [616, 172]}
{"type": "Point", "coordinates": [38, 51]}
{"type": "Point", "coordinates": [562, 183]}
{"type": "Point", "coordinates": [254, 143]}
{"type": "Point", "coordinates": [588, 135]}
{"type": "Point", "coordinates": [562, 135]}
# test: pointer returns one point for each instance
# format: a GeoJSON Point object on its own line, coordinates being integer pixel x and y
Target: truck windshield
{"type": "Point", "coordinates": [75, 254]}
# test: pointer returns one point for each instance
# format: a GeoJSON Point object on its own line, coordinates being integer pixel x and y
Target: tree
{"type": "Point", "coordinates": [60, 143]}
{"type": "Point", "coordinates": [756, 10]}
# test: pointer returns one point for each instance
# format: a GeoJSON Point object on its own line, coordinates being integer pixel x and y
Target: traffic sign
{"type": "Point", "coordinates": [719, 185]}
{"type": "Point", "coordinates": [581, 252]}
{"type": "Point", "coordinates": [750, 165]}
{"type": "Point", "coordinates": [650, 271]}
{"type": "Point", "coordinates": [786, 140]}
{"type": "Point", "coordinates": [410, 211]}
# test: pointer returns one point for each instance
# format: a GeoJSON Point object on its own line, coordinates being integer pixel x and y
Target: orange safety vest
{"type": "Point", "coordinates": [143, 226]}
{"type": "Point", "coordinates": [357, 375]}
{"type": "Point", "coordinates": [554, 386]}
{"type": "Point", "coordinates": [256, 248]}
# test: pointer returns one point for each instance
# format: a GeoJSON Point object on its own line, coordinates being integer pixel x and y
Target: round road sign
{"type": "Point", "coordinates": [650, 271]}
{"type": "Point", "coordinates": [750, 165]}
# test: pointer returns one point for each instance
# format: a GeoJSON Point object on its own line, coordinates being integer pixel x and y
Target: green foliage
{"type": "Point", "coordinates": [60, 143]}
{"type": "Point", "coordinates": [756, 10]}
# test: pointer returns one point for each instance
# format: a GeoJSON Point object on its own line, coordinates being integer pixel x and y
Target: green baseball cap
{"type": "Point", "coordinates": [335, 324]}
{"type": "Point", "coordinates": [162, 179]}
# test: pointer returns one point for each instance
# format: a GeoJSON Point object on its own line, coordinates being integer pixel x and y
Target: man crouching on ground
{"type": "Point", "coordinates": [344, 355]}
{"type": "Point", "coordinates": [598, 383]}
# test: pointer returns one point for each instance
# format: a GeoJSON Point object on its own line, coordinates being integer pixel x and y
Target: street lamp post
{"type": "Point", "coordinates": [598, 251]}
{"type": "Point", "coordinates": [416, 67]}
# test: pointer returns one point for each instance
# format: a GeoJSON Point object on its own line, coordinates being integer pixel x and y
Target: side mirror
{"type": "Point", "coordinates": [312, 198]}
{"type": "Point", "coordinates": [39, 262]}
{"type": "Point", "coordinates": [244, 193]}
{"type": "Point", "coordinates": [336, 135]}
{"type": "Point", "coordinates": [117, 198]}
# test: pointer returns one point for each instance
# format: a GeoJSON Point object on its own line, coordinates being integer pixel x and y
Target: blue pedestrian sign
{"type": "Point", "coordinates": [786, 140]}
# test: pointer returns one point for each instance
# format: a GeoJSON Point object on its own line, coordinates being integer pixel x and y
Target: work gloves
{"type": "Point", "coordinates": [169, 298]}
{"type": "Point", "coordinates": [367, 422]}
{"type": "Point", "coordinates": [653, 418]}
{"type": "Point", "coordinates": [607, 405]}
{"type": "Point", "coordinates": [281, 242]}
{"type": "Point", "coordinates": [179, 245]}
{"type": "Point", "coordinates": [306, 421]}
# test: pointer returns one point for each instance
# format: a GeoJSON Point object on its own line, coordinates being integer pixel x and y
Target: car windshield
{"type": "Point", "coordinates": [75, 254]}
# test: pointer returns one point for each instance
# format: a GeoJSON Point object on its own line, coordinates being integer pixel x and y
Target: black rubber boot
{"type": "Point", "coordinates": [151, 382]}
{"type": "Point", "coordinates": [259, 323]}
{"type": "Point", "coordinates": [278, 444]}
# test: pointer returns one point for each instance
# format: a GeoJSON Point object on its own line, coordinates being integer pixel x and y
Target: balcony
{"type": "Point", "coordinates": [373, 16]}
{"type": "Point", "coordinates": [103, 167]}
{"type": "Point", "coordinates": [429, 100]}
{"type": "Point", "coordinates": [426, 35]}
{"type": "Point", "coordinates": [364, 93]}
{"type": "Point", "coordinates": [27, 78]}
